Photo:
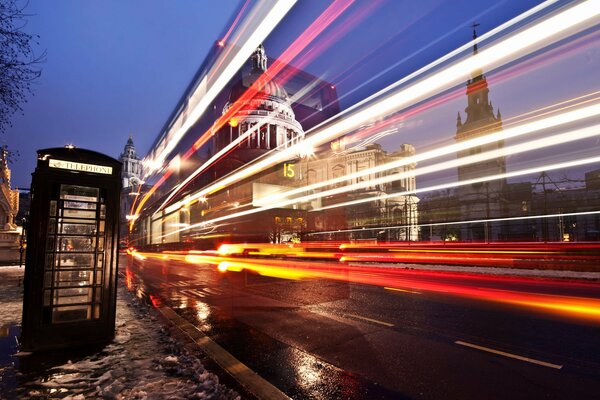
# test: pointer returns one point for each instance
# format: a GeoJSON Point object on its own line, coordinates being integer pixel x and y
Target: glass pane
{"type": "Point", "coordinates": [74, 221]}
{"type": "Point", "coordinates": [53, 208]}
{"type": "Point", "coordinates": [101, 226]}
{"type": "Point", "coordinates": [71, 313]}
{"type": "Point", "coordinates": [102, 211]}
{"type": "Point", "coordinates": [52, 225]}
{"type": "Point", "coordinates": [73, 278]}
{"type": "Point", "coordinates": [77, 243]}
{"type": "Point", "coordinates": [79, 213]}
{"type": "Point", "coordinates": [47, 279]}
{"type": "Point", "coordinates": [71, 299]}
{"type": "Point", "coordinates": [50, 243]}
{"type": "Point", "coordinates": [49, 261]}
{"type": "Point", "coordinates": [78, 193]}
{"type": "Point", "coordinates": [72, 296]}
{"type": "Point", "coordinates": [80, 205]}
{"type": "Point", "coordinates": [101, 243]}
{"type": "Point", "coordinates": [98, 295]}
{"type": "Point", "coordinates": [77, 229]}
{"type": "Point", "coordinates": [70, 261]}
{"type": "Point", "coordinates": [73, 292]}
{"type": "Point", "coordinates": [96, 311]}
{"type": "Point", "coordinates": [47, 297]}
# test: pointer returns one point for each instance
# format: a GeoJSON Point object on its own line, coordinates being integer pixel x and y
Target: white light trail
{"type": "Point", "coordinates": [452, 185]}
{"type": "Point", "coordinates": [471, 221]}
{"type": "Point", "coordinates": [269, 14]}
{"type": "Point", "coordinates": [513, 132]}
{"type": "Point", "coordinates": [565, 137]}
{"type": "Point", "coordinates": [540, 34]}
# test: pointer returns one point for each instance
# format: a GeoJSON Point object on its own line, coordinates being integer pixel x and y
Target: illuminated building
{"type": "Point", "coordinates": [396, 218]}
{"type": "Point", "coordinates": [131, 181]}
{"type": "Point", "coordinates": [132, 165]}
{"type": "Point", "coordinates": [481, 200]}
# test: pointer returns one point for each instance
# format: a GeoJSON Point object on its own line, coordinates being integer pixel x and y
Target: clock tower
{"type": "Point", "coordinates": [480, 201]}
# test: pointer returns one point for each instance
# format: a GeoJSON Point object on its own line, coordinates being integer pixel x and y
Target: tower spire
{"type": "Point", "coordinates": [474, 26]}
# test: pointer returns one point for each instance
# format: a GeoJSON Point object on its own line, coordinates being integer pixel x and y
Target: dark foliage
{"type": "Point", "coordinates": [19, 66]}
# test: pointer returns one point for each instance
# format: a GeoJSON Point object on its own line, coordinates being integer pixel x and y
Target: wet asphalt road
{"type": "Point", "coordinates": [322, 339]}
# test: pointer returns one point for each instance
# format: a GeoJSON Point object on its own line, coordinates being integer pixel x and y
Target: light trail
{"type": "Point", "coordinates": [540, 34]}
{"type": "Point", "coordinates": [527, 171]}
{"type": "Point", "coordinates": [310, 34]}
{"type": "Point", "coordinates": [517, 131]}
{"type": "Point", "coordinates": [472, 221]}
{"type": "Point", "coordinates": [272, 13]}
{"type": "Point", "coordinates": [472, 286]}
{"type": "Point", "coordinates": [276, 201]}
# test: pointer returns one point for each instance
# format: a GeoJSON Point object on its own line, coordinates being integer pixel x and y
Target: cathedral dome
{"type": "Point", "coordinates": [267, 116]}
{"type": "Point", "coordinates": [269, 89]}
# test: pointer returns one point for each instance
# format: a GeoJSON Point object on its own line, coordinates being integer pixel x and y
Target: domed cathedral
{"type": "Point", "coordinates": [480, 200]}
{"type": "Point", "coordinates": [258, 121]}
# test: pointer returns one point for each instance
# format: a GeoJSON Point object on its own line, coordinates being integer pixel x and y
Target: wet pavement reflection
{"type": "Point", "coordinates": [217, 303]}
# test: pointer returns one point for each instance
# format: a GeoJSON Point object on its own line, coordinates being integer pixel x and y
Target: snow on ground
{"type": "Point", "coordinates": [142, 362]}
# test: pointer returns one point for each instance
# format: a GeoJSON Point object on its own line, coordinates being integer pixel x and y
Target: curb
{"type": "Point", "coordinates": [248, 379]}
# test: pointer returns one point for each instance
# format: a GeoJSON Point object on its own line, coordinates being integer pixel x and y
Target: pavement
{"type": "Point", "coordinates": [148, 358]}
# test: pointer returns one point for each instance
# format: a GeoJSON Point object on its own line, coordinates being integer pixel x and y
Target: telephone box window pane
{"type": "Point", "coordinates": [97, 311]}
{"type": "Point", "coordinates": [80, 205]}
{"type": "Point", "coordinates": [73, 292]}
{"type": "Point", "coordinates": [72, 299]}
{"type": "Point", "coordinates": [71, 313]}
{"type": "Point", "coordinates": [53, 208]}
{"type": "Point", "coordinates": [79, 261]}
{"type": "Point", "coordinates": [47, 297]}
{"type": "Point", "coordinates": [101, 243]}
{"type": "Point", "coordinates": [52, 225]}
{"type": "Point", "coordinates": [77, 244]}
{"type": "Point", "coordinates": [77, 229]}
{"type": "Point", "coordinates": [101, 226]}
{"type": "Point", "coordinates": [79, 213]}
{"type": "Point", "coordinates": [73, 278]}
{"type": "Point", "coordinates": [102, 211]}
{"type": "Point", "coordinates": [72, 296]}
{"type": "Point", "coordinates": [49, 261]}
{"type": "Point", "coordinates": [50, 243]}
{"type": "Point", "coordinates": [47, 280]}
{"type": "Point", "coordinates": [79, 193]}
{"type": "Point", "coordinates": [100, 259]}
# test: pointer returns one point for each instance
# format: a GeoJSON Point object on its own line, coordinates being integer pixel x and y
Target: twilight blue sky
{"type": "Point", "coordinates": [116, 68]}
{"type": "Point", "coordinates": [113, 68]}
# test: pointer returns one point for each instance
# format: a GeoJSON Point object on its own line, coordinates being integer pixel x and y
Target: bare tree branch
{"type": "Point", "coordinates": [19, 66]}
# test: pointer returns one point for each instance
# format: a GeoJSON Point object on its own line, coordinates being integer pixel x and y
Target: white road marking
{"type": "Point", "coordinates": [369, 319]}
{"type": "Point", "coordinates": [515, 356]}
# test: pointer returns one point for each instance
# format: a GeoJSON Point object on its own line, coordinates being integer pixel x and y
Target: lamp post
{"type": "Point", "coordinates": [22, 243]}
